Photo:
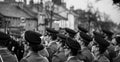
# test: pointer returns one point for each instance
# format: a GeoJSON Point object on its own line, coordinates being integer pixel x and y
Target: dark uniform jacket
{"type": "Point", "coordinates": [34, 57]}
{"type": "Point", "coordinates": [6, 56]}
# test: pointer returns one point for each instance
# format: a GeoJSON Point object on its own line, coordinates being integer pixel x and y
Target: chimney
{"type": "Point", "coordinates": [71, 8]}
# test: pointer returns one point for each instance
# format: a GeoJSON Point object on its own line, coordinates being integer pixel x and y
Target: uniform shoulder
{"type": "Point", "coordinates": [104, 59]}
{"type": "Point", "coordinates": [45, 59]}
{"type": "Point", "coordinates": [74, 59]}
{"type": "Point", "coordinates": [23, 60]}
{"type": "Point", "coordinates": [8, 57]}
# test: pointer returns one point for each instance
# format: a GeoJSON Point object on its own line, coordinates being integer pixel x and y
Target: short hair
{"type": "Point", "coordinates": [53, 36]}
{"type": "Point", "coordinates": [36, 48]}
{"type": "Point", "coordinates": [74, 52]}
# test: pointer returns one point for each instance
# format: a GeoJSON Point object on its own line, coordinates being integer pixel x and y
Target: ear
{"type": "Point", "coordinates": [50, 37]}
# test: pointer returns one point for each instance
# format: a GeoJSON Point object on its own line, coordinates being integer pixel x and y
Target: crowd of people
{"type": "Point", "coordinates": [65, 46]}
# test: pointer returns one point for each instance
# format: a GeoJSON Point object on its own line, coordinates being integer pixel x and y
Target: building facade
{"type": "Point", "coordinates": [12, 13]}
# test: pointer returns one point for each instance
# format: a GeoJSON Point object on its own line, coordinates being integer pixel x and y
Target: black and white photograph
{"type": "Point", "coordinates": [59, 30]}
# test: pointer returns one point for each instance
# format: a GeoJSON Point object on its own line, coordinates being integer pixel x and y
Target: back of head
{"type": "Point", "coordinates": [36, 48]}
{"type": "Point", "coordinates": [33, 37]}
{"type": "Point", "coordinates": [73, 45]}
{"type": "Point", "coordinates": [103, 44]}
{"type": "Point", "coordinates": [71, 32]}
{"type": "Point", "coordinates": [82, 29]}
{"type": "Point", "coordinates": [53, 37]}
{"type": "Point", "coordinates": [4, 39]}
{"type": "Point", "coordinates": [86, 38]}
{"type": "Point", "coordinates": [34, 40]}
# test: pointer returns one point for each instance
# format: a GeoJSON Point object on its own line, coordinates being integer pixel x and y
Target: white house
{"type": "Point", "coordinates": [70, 22]}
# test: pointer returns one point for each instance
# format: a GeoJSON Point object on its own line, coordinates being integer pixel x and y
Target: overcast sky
{"type": "Point", "coordinates": [103, 6]}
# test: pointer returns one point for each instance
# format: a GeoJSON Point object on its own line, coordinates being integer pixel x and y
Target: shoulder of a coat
{"type": "Point", "coordinates": [45, 59]}
{"type": "Point", "coordinates": [23, 60]}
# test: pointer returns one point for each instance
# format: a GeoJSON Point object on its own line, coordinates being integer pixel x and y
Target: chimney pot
{"type": "Point", "coordinates": [72, 8]}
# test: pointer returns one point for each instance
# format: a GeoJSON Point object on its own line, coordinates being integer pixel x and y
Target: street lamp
{"type": "Point", "coordinates": [23, 22]}
{"type": "Point", "coordinates": [6, 25]}
{"type": "Point", "coordinates": [41, 18]}
{"type": "Point", "coordinates": [50, 9]}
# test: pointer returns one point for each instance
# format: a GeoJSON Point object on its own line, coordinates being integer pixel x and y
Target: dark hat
{"type": "Point", "coordinates": [70, 31]}
{"type": "Point", "coordinates": [73, 44]}
{"type": "Point", "coordinates": [62, 39]}
{"type": "Point", "coordinates": [62, 36]}
{"type": "Point", "coordinates": [101, 41]}
{"type": "Point", "coordinates": [4, 36]}
{"type": "Point", "coordinates": [51, 31]}
{"type": "Point", "coordinates": [33, 37]}
{"type": "Point", "coordinates": [82, 29]}
{"type": "Point", "coordinates": [98, 34]}
{"type": "Point", "coordinates": [107, 32]}
{"type": "Point", "coordinates": [85, 36]}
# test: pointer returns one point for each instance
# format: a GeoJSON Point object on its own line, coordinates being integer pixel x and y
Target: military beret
{"type": "Point", "coordinates": [73, 44]}
{"type": "Point", "coordinates": [98, 34]}
{"type": "Point", "coordinates": [62, 36]}
{"type": "Point", "coordinates": [82, 29]}
{"type": "Point", "coordinates": [101, 41]}
{"type": "Point", "coordinates": [85, 36]}
{"type": "Point", "coordinates": [70, 31]}
{"type": "Point", "coordinates": [107, 32]}
{"type": "Point", "coordinates": [33, 37]}
{"type": "Point", "coordinates": [51, 30]}
{"type": "Point", "coordinates": [4, 36]}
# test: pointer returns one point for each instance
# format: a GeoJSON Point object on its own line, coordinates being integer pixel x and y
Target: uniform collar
{"type": "Point", "coordinates": [3, 48]}
{"type": "Point", "coordinates": [35, 54]}
{"type": "Point", "coordinates": [70, 57]}
{"type": "Point", "coordinates": [84, 49]}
